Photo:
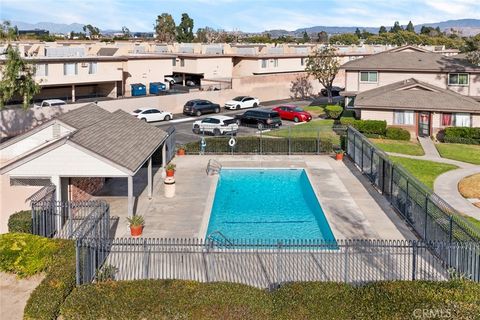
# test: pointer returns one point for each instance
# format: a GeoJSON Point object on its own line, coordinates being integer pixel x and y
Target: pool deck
{"type": "Point", "coordinates": [353, 208]}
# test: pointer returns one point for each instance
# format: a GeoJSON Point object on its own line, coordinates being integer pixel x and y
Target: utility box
{"type": "Point", "coordinates": [138, 89]}
{"type": "Point", "coordinates": [157, 88]}
{"type": "Point", "coordinates": [169, 187]}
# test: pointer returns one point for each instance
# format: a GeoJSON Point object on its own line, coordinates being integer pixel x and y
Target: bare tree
{"type": "Point", "coordinates": [323, 65]}
{"type": "Point", "coordinates": [301, 87]}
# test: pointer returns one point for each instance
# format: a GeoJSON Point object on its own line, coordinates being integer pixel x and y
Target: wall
{"type": "Point", "coordinates": [145, 71]}
{"type": "Point", "coordinates": [82, 189]}
{"type": "Point", "coordinates": [211, 68]}
{"type": "Point", "coordinates": [386, 115]}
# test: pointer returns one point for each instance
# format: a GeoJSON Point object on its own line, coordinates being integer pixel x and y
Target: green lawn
{"type": "Point", "coordinates": [461, 152]}
{"type": "Point", "coordinates": [473, 221]}
{"type": "Point", "coordinates": [397, 146]}
{"type": "Point", "coordinates": [311, 129]}
{"type": "Point", "coordinates": [176, 299]}
{"type": "Point", "coordinates": [423, 170]}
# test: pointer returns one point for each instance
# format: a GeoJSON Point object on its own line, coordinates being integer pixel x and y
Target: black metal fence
{"type": "Point", "coordinates": [430, 216]}
{"type": "Point", "coordinates": [266, 141]}
{"type": "Point", "coordinates": [68, 220]}
{"type": "Point", "coordinates": [267, 264]}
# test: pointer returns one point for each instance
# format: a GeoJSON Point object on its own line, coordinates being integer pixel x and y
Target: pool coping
{"type": "Point", "coordinates": [213, 188]}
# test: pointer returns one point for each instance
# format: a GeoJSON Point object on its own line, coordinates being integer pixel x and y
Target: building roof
{"type": "Point", "coordinates": [107, 51]}
{"type": "Point", "coordinates": [412, 94]}
{"type": "Point", "coordinates": [84, 116]}
{"type": "Point", "coordinates": [412, 61]}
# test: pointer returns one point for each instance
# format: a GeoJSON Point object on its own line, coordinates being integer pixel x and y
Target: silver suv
{"type": "Point", "coordinates": [216, 125]}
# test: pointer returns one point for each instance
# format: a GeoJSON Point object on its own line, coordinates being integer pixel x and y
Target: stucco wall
{"type": "Point", "coordinates": [386, 115]}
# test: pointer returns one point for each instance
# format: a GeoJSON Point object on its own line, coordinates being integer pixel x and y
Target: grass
{"type": "Point", "coordinates": [473, 221]}
{"type": "Point", "coordinates": [469, 187]}
{"type": "Point", "coordinates": [397, 146]}
{"type": "Point", "coordinates": [311, 129]}
{"type": "Point", "coordinates": [315, 111]}
{"type": "Point", "coordinates": [425, 171]}
{"type": "Point", "coordinates": [176, 299]}
{"type": "Point", "coordinates": [461, 152]}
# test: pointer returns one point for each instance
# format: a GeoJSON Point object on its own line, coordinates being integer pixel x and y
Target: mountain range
{"type": "Point", "coordinates": [466, 26]}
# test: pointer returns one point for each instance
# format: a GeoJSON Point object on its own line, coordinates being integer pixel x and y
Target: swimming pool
{"type": "Point", "coordinates": [267, 204]}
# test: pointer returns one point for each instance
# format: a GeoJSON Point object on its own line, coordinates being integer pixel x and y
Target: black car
{"type": "Point", "coordinates": [335, 91]}
{"type": "Point", "coordinates": [199, 107]}
{"type": "Point", "coordinates": [260, 118]}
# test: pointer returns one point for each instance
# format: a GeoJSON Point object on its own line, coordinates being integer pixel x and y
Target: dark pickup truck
{"type": "Point", "coordinates": [260, 118]}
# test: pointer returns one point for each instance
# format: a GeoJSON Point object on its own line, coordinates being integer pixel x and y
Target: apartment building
{"type": "Point", "coordinates": [418, 90]}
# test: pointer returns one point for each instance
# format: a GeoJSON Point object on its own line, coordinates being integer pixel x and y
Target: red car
{"type": "Point", "coordinates": [294, 113]}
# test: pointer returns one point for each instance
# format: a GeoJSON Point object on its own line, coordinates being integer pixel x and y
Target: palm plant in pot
{"type": "Point", "coordinates": [170, 169]}
{"type": "Point", "coordinates": [181, 151]}
{"type": "Point", "coordinates": [339, 154]}
{"type": "Point", "coordinates": [136, 225]}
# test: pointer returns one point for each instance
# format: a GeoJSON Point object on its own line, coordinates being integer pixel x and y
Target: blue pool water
{"type": "Point", "coordinates": [267, 204]}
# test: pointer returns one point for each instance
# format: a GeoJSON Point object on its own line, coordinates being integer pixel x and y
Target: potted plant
{"type": "Point", "coordinates": [181, 151]}
{"type": "Point", "coordinates": [339, 154]}
{"type": "Point", "coordinates": [136, 225]}
{"type": "Point", "coordinates": [170, 169]}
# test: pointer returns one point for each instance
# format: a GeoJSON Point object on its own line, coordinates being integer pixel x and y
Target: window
{"type": "Point", "coordinates": [174, 62]}
{"type": "Point", "coordinates": [403, 117]}
{"type": "Point", "coordinates": [302, 61]}
{"type": "Point", "coordinates": [264, 63]}
{"type": "Point", "coordinates": [368, 76]}
{"type": "Point", "coordinates": [275, 63]}
{"type": "Point", "coordinates": [462, 120]}
{"type": "Point", "coordinates": [458, 79]}
{"type": "Point", "coordinates": [70, 69]}
{"type": "Point", "coordinates": [182, 62]}
{"type": "Point", "coordinates": [92, 68]}
{"type": "Point", "coordinates": [41, 70]}
{"type": "Point", "coordinates": [447, 119]}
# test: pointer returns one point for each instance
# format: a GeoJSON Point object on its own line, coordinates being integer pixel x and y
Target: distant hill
{"type": "Point", "coordinates": [50, 26]}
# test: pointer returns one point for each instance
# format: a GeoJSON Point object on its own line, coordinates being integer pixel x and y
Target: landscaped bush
{"type": "Point", "coordinates": [397, 134]}
{"type": "Point", "coordinates": [46, 300]}
{"type": "Point", "coordinates": [375, 127]}
{"type": "Point", "coordinates": [175, 299]}
{"type": "Point", "coordinates": [333, 111]}
{"type": "Point", "coordinates": [20, 221]}
{"type": "Point", "coordinates": [461, 135]}
{"type": "Point", "coordinates": [348, 114]}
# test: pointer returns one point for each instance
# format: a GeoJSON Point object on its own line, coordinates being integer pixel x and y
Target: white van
{"type": "Point", "coordinates": [50, 103]}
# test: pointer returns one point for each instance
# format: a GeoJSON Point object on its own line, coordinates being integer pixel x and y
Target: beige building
{"type": "Point", "coordinates": [416, 89]}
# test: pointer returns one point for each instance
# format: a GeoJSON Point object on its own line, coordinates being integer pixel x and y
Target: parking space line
{"type": "Point", "coordinates": [182, 120]}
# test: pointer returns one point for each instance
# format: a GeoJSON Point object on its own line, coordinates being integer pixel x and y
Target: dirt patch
{"type": "Point", "coordinates": [469, 187]}
{"type": "Point", "coordinates": [14, 293]}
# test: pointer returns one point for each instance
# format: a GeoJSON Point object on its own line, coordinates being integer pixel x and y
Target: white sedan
{"type": "Point", "coordinates": [50, 103]}
{"type": "Point", "coordinates": [152, 114]}
{"type": "Point", "coordinates": [242, 102]}
{"type": "Point", "coordinates": [216, 125]}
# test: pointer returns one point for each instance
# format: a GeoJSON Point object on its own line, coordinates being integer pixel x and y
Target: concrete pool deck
{"type": "Point", "coordinates": [353, 209]}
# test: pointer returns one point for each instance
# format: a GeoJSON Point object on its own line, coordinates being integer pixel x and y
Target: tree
{"type": "Point", "coordinates": [185, 29]}
{"type": "Point", "coordinates": [323, 65]}
{"type": "Point", "coordinates": [306, 38]}
{"type": "Point", "coordinates": [301, 88]}
{"type": "Point", "coordinates": [126, 32]}
{"type": "Point", "coordinates": [474, 57]}
{"type": "Point", "coordinates": [410, 27]}
{"type": "Point", "coordinates": [93, 32]}
{"type": "Point", "coordinates": [7, 32]}
{"type": "Point", "coordinates": [382, 30]}
{"type": "Point", "coordinates": [345, 38]}
{"type": "Point", "coordinates": [165, 28]}
{"type": "Point", "coordinates": [322, 37]}
{"type": "Point", "coordinates": [210, 35]}
{"type": "Point", "coordinates": [396, 27]}
{"type": "Point", "coordinates": [358, 33]}
{"type": "Point", "coordinates": [17, 79]}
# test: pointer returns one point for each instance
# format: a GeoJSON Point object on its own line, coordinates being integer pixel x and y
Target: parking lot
{"type": "Point", "coordinates": [183, 124]}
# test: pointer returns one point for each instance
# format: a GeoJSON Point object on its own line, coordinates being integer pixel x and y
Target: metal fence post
{"type": "Point", "coordinates": [425, 237]}
{"type": "Point", "coordinates": [450, 230]}
{"type": "Point", "coordinates": [289, 140]}
{"type": "Point", "coordinates": [354, 147]}
{"type": "Point", "coordinates": [77, 262]}
{"type": "Point", "coordinates": [345, 277]}
{"type": "Point", "coordinates": [414, 259]}
{"type": "Point", "coordinates": [318, 140]}
{"type": "Point", "coordinates": [279, 263]}
{"type": "Point", "coordinates": [261, 143]}
{"type": "Point", "coordinates": [146, 261]}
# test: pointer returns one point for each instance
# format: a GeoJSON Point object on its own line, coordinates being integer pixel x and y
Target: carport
{"type": "Point", "coordinates": [100, 145]}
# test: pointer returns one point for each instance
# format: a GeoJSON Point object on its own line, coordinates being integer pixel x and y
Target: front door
{"type": "Point", "coordinates": [424, 124]}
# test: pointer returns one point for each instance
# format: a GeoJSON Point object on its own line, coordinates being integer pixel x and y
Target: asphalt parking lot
{"type": "Point", "coordinates": [183, 123]}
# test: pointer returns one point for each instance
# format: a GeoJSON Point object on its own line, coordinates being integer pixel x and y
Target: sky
{"type": "Point", "coordinates": [244, 15]}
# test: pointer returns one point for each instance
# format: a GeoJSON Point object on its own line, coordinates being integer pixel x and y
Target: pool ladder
{"type": "Point", "coordinates": [218, 238]}
{"type": "Point", "coordinates": [213, 167]}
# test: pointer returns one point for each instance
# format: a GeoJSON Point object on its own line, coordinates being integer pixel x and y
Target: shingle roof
{"type": "Point", "coordinates": [412, 94]}
{"type": "Point", "coordinates": [121, 138]}
{"type": "Point", "coordinates": [411, 61]}
{"type": "Point", "coordinates": [84, 116]}
{"type": "Point", "coordinates": [107, 51]}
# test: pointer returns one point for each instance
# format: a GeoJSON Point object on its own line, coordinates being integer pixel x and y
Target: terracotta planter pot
{"type": "Point", "coordinates": [170, 173]}
{"type": "Point", "coordinates": [339, 156]}
{"type": "Point", "coordinates": [136, 231]}
{"type": "Point", "coordinates": [181, 152]}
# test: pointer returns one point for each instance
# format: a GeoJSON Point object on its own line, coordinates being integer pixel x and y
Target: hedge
{"type": "Point", "coordinates": [176, 299]}
{"type": "Point", "coordinates": [20, 221]}
{"type": "Point", "coordinates": [46, 300]}
{"type": "Point", "coordinates": [253, 145]}
{"type": "Point", "coordinates": [463, 135]}
{"type": "Point", "coordinates": [377, 127]}
{"type": "Point", "coordinates": [397, 134]}
{"type": "Point", "coordinates": [348, 114]}
{"type": "Point", "coordinates": [333, 111]}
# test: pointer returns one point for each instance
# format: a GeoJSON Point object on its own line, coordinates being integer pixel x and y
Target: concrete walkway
{"type": "Point", "coordinates": [446, 184]}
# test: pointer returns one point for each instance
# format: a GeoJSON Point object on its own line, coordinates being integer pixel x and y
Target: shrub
{"type": "Point", "coordinates": [397, 134]}
{"type": "Point", "coordinates": [463, 132]}
{"type": "Point", "coordinates": [460, 140]}
{"type": "Point", "coordinates": [333, 111]}
{"type": "Point", "coordinates": [25, 254]}
{"type": "Point", "coordinates": [46, 300]}
{"type": "Point", "coordinates": [348, 114]}
{"type": "Point", "coordinates": [376, 127]}
{"type": "Point", "coordinates": [20, 221]}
